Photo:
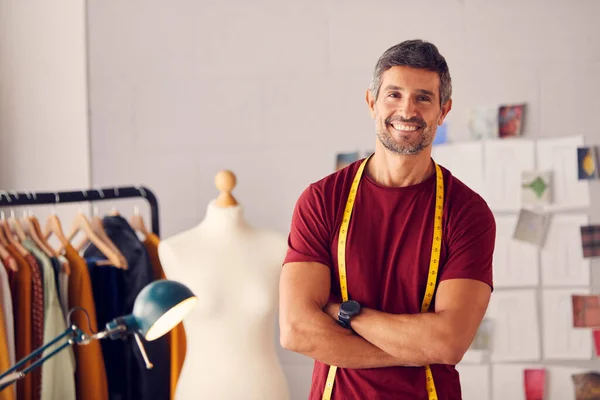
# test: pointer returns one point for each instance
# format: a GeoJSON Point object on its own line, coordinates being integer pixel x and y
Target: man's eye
{"type": "Point", "coordinates": [394, 95]}
{"type": "Point", "coordinates": [423, 98]}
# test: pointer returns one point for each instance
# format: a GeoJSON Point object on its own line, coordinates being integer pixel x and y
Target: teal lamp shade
{"type": "Point", "coordinates": [160, 306]}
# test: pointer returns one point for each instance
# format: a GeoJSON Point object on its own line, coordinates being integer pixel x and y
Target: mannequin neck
{"type": "Point", "coordinates": [223, 218]}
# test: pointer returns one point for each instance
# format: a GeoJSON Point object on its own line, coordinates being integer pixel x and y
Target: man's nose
{"type": "Point", "coordinates": [407, 108]}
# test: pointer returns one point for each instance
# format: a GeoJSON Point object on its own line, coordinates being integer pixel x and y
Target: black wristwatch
{"type": "Point", "coordinates": [348, 309]}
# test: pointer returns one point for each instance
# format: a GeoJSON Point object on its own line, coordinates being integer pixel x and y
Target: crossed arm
{"type": "Point", "coordinates": [308, 324]}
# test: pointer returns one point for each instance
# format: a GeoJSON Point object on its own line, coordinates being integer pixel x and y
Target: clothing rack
{"type": "Point", "coordinates": [12, 198]}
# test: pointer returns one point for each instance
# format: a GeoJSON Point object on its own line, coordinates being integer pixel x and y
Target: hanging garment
{"type": "Point", "coordinates": [58, 373]}
{"type": "Point", "coordinates": [106, 285]}
{"type": "Point", "coordinates": [90, 372]}
{"type": "Point", "coordinates": [56, 267]}
{"type": "Point", "coordinates": [37, 321]}
{"type": "Point", "coordinates": [63, 286]}
{"type": "Point", "coordinates": [6, 305]}
{"type": "Point", "coordinates": [176, 338]}
{"type": "Point", "coordinates": [9, 392]}
{"type": "Point", "coordinates": [22, 311]}
{"type": "Point", "coordinates": [144, 383]}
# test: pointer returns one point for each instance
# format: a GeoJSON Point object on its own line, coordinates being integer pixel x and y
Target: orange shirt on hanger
{"type": "Point", "coordinates": [9, 392]}
{"type": "Point", "coordinates": [21, 284]}
{"type": "Point", "coordinates": [177, 337]}
{"type": "Point", "coordinates": [90, 375]}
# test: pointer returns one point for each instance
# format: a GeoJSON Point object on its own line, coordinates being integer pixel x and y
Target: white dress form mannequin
{"type": "Point", "coordinates": [233, 269]}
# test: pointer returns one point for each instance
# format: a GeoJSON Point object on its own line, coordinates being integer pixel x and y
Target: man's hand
{"type": "Point", "coordinates": [306, 328]}
{"type": "Point", "coordinates": [332, 309]}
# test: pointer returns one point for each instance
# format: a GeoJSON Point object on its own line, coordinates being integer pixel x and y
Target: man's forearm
{"type": "Point", "coordinates": [413, 339]}
{"type": "Point", "coordinates": [323, 339]}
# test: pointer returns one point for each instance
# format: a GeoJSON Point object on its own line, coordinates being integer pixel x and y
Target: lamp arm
{"type": "Point", "coordinates": [73, 335]}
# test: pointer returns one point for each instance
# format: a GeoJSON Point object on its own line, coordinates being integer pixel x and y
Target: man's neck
{"type": "Point", "coordinates": [394, 170]}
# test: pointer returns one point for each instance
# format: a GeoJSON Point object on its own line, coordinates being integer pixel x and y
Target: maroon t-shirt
{"type": "Point", "coordinates": [387, 260]}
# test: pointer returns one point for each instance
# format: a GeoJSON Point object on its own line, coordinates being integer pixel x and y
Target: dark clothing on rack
{"type": "Point", "coordinates": [56, 267]}
{"type": "Point", "coordinates": [106, 286]}
{"type": "Point", "coordinates": [141, 382]}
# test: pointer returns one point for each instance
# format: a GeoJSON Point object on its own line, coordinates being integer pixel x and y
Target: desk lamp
{"type": "Point", "coordinates": [157, 309]}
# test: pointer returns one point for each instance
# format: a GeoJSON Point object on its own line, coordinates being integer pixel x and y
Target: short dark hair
{"type": "Point", "coordinates": [416, 54]}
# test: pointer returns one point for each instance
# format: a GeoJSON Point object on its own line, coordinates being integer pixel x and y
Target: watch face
{"type": "Point", "coordinates": [350, 307]}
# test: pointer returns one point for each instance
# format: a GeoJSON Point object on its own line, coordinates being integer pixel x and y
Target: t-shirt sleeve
{"type": "Point", "coordinates": [471, 244]}
{"type": "Point", "coordinates": [309, 236]}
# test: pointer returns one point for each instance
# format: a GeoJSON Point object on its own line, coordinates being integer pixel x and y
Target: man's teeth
{"type": "Point", "coordinates": [401, 127]}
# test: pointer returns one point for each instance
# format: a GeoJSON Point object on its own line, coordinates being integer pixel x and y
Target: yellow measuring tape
{"type": "Point", "coordinates": [431, 276]}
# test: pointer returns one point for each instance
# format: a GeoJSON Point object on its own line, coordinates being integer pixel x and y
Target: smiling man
{"type": "Point", "coordinates": [389, 269]}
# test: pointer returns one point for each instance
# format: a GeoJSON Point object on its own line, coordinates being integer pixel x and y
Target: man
{"type": "Point", "coordinates": [384, 351]}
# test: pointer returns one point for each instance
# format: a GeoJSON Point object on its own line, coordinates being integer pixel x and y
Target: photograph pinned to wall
{"type": "Point", "coordinates": [587, 386]}
{"type": "Point", "coordinates": [532, 227]}
{"type": "Point", "coordinates": [586, 163]}
{"type": "Point", "coordinates": [536, 188]}
{"type": "Point", "coordinates": [483, 337]}
{"type": "Point", "coordinates": [586, 311]}
{"type": "Point", "coordinates": [344, 159]}
{"type": "Point", "coordinates": [441, 135]}
{"type": "Point", "coordinates": [597, 341]}
{"type": "Point", "coordinates": [590, 240]}
{"type": "Point", "coordinates": [483, 122]}
{"type": "Point", "coordinates": [510, 120]}
{"type": "Point", "coordinates": [534, 382]}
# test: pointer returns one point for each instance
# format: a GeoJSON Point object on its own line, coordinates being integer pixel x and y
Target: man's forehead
{"type": "Point", "coordinates": [408, 78]}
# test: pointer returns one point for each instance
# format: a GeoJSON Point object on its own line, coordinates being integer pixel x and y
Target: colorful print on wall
{"type": "Point", "coordinates": [586, 163]}
{"type": "Point", "coordinates": [536, 188]}
{"type": "Point", "coordinates": [345, 159]}
{"type": "Point", "coordinates": [590, 240]}
{"type": "Point", "coordinates": [587, 386]}
{"type": "Point", "coordinates": [534, 381]}
{"type": "Point", "coordinates": [586, 311]}
{"type": "Point", "coordinates": [510, 120]}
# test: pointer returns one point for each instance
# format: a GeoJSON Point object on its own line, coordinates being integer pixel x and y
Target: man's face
{"type": "Point", "coordinates": [407, 110]}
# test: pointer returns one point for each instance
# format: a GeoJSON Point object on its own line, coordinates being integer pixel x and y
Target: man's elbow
{"type": "Point", "coordinates": [451, 352]}
{"type": "Point", "coordinates": [293, 337]}
{"type": "Point", "coordinates": [288, 337]}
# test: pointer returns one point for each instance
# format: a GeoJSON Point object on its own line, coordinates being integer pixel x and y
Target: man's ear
{"type": "Point", "coordinates": [370, 103]}
{"type": "Point", "coordinates": [445, 110]}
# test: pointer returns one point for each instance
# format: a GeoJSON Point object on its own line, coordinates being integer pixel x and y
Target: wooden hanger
{"type": "Point", "coordinates": [54, 227]}
{"type": "Point", "coordinates": [81, 224]}
{"type": "Point", "coordinates": [225, 181]}
{"type": "Point", "coordinates": [8, 260]}
{"type": "Point", "coordinates": [137, 222]}
{"type": "Point", "coordinates": [32, 227]}
{"type": "Point", "coordinates": [98, 228]}
{"type": "Point", "coordinates": [10, 238]}
{"type": "Point", "coordinates": [16, 225]}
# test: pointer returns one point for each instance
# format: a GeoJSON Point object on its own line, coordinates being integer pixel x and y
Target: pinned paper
{"type": "Point", "coordinates": [483, 337]}
{"type": "Point", "coordinates": [536, 188]}
{"type": "Point", "coordinates": [587, 386]}
{"type": "Point", "coordinates": [345, 159]}
{"type": "Point", "coordinates": [532, 227]}
{"type": "Point", "coordinates": [441, 134]}
{"type": "Point", "coordinates": [586, 311]}
{"type": "Point", "coordinates": [483, 122]}
{"type": "Point", "coordinates": [586, 162]}
{"type": "Point", "coordinates": [597, 341]}
{"type": "Point", "coordinates": [510, 120]}
{"type": "Point", "coordinates": [535, 383]}
{"type": "Point", "coordinates": [590, 240]}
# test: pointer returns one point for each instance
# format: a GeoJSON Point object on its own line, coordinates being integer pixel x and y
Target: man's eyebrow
{"type": "Point", "coordinates": [421, 91]}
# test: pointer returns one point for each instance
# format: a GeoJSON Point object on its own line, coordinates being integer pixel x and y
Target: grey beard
{"type": "Point", "coordinates": [408, 150]}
